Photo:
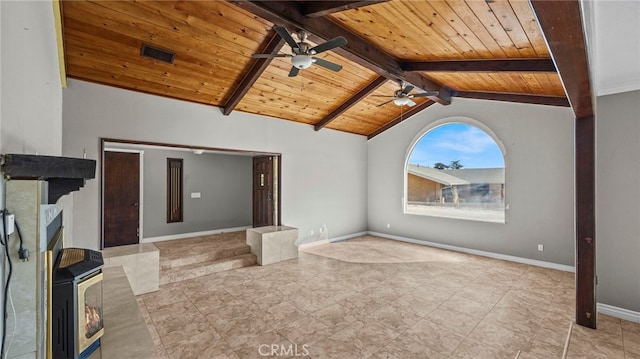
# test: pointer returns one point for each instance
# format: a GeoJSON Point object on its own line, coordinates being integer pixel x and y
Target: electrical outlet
{"type": "Point", "coordinates": [540, 247]}
{"type": "Point", "coordinates": [320, 230]}
{"type": "Point", "coordinates": [388, 225]}
{"type": "Point", "coordinates": [312, 232]}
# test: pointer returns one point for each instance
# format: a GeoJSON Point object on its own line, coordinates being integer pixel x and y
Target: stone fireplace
{"type": "Point", "coordinates": [33, 186]}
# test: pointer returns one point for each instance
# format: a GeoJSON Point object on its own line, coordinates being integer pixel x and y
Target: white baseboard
{"type": "Point", "coordinates": [505, 257]}
{"type": "Point", "coordinates": [332, 240]}
{"type": "Point", "coordinates": [349, 236]}
{"type": "Point", "coordinates": [620, 313]}
{"type": "Point", "coordinates": [192, 234]}
{"type": "Point", "coordinates": [313, 244]}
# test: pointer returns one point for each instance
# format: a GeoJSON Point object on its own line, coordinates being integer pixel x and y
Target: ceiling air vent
{"type": "Point", "coordinates": [157, 54]}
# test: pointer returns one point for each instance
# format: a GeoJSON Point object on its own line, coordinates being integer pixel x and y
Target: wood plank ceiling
{"type": "Point", "coordinates": [490, 49]}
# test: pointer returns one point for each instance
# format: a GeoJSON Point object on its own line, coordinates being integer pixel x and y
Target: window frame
{"type": "Point", "coordinates": [439, 123]}
{"type": "Point", "coordinates": [175, 201]}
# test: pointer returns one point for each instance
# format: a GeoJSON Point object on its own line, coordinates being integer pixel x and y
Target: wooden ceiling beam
{"type": "Point", "coordinates": [324, 8]}
{"type": "Point", "coordinates": [319, 29]}
{"type": "Point", "coordinates": [272, 45]}
{"type": "Point", "coordinates": [379, 81]}
{"type": "Point", "coordinates": [502, 65]}
{"type": "Point", "coordinates": [561, 24]}
{"type": "Point", "coordinates": [565, 38]}
{"type": "Point", "coordinates": [513, 97]}
{"type": "Point", "coordinates": [403, 116]}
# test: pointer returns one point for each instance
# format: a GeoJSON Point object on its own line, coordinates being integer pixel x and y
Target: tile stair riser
{"type": "Point", "coordinates": [204, 257]}
{"type": "Point", "coordinates": [179, 274]}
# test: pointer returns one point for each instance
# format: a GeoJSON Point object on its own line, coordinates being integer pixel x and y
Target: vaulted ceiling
{"type": "Point", "coordinates": [493, 50]}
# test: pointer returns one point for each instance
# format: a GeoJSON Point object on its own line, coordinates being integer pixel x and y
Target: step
{"type": "Point", "coordinates": [204, 254]}
{"type": "Point", "coordinates": [195, 270]}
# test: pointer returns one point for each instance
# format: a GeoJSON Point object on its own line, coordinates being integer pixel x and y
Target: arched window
{"type": "Point", "coordinates": [456, 170]}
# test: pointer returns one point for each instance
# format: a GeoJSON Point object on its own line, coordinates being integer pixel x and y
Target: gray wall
{"type": "Point", "coordinates": [224, 182]}
{"type": "Point", "coordinates": [324, 174]}
{"type": "Point", "coordinates": [618, 199]}
{"type": "Point", "coordinates": [538, 142]}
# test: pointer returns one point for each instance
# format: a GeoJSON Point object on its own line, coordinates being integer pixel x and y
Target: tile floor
{"type": "Point", "coordinates": [381, 299]}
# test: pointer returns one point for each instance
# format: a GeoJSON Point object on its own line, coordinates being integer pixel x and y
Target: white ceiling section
{"type": "Point", "coordinates": [616, 54]}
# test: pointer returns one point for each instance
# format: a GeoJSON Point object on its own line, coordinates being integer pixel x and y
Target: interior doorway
{"type": "Point", "coordinates": [269, 206]}
{"type": "Point", "coordinates": [121, 198]}
{"type": "Point", "coordinates": [265, 191]}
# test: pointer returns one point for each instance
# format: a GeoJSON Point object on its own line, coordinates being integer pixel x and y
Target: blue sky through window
{"type": "Point", "coordinates": [470, 145]}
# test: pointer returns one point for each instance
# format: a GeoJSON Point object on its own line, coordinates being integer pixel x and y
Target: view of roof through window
{"type": "Point", "coordinates": [456, 170]}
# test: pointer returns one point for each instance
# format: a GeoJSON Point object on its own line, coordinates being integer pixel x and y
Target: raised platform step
{"type": "Point", "coordinates": [195, 270]}
{"type": "Point", "coordinates": [203, 253]}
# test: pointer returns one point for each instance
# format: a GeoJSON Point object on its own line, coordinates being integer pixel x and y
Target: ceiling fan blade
{"type": "Point", "coordinates": [411, 103]}
{"type": "Point", "coordinates": [331, 44]}
{"type": "Point", "coordinates": [381, 96]}
{"type": "Point", "coordinates": [286, 36]}
{"type": "Point", "coordinates": [294, 71]}
{"type": "Point", "coordinates": [384, 103]}
{"type": "Point", "coordinates": [407, 89]}
{"type": "Point", "coordinates": [327, 64]}
{"type": "Point", "coordinates": [425, 94]}
{"type": "Point", "coordinates": [268, 56]}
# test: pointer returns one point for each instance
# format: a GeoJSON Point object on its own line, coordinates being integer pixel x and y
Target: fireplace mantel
{"type": "Point", "coordinates": [64, 174]}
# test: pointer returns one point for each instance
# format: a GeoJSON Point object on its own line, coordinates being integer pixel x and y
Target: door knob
{"type": "Point", "coordinates": [135, 204]}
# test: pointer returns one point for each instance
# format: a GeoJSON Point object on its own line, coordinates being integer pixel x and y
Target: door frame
{"type": "Point", "coordinates": [138, 146]}
{"type": "Point", "coordinates": [140, 153]}
{"type": "Point", "coordinates": [276, 165]}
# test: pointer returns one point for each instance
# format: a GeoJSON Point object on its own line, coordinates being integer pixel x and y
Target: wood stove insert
{"type": "Point", "coordinates": [76, 303]}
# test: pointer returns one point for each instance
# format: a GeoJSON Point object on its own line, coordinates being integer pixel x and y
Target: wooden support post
{"type": "Point", "coordinates": [586, 304]}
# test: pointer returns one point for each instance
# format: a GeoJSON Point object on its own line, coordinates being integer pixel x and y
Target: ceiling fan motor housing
{"type": "Point", "coordinates": [301, 61]}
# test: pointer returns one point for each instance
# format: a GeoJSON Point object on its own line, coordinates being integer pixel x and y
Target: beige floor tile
{"type": "Point", "coordinates": [540, 350]}
{"type": "Point", "coordinates": [176, 329]}
{"type": "Point", "coordinates": [436, 337]}
{"type": "Point", "coordinates": [525, 321]}
{"type": "Point", "coordinates": [406, 348]}
{"type": "Point", "coordinates": [171, 310]}
{"type": "Point", "coordinates": [167, 294]}
{"type": "Point", "coordinates": [335, 316]}
{"type": "Point", "coordinates": [415, 304]}
{"type": "Point", "coordinates": [280, 314]}
{"type": "Point", "coordinates": [467, 305]}
{"type": "Point", "coordinates": [309, 301]}
{"type": "Point", "coordinates": [473, 350]}
{"type": "Point", "coordinates": [451, 319]}
{"type": "Point", "coordinates": [498, 339]}
{"type": "Point", "coordinates": [394, 318]}
{"type": "Point", "coordinates": [201, 346]}
{"type": "Point", "coordinates": [368, 335]}
{"type": "Point", "coordinates": [418, 302]}
{"type": "Point", "coordinates": [337, 347]}
{"type": "Point", "coordinates": [306, 330]}
{"type": "Point", "coordinates": [631, 342]}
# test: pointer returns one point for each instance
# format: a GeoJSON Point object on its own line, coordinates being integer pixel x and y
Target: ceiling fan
{"type": "Point", "coordinates": [403, 96]}
{"type": "Point", "coordinates": [303, 54]}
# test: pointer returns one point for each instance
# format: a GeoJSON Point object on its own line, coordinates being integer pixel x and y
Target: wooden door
{"type": "Point", "coordinates": [263, 187]}
{"type": "Point", "coordinates": [121, 213]}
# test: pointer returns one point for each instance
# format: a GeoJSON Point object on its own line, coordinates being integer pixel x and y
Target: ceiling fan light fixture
{"type": "Point", "coordinates": [301, 61]}
{"type": "Point", "coordinates": [401, 101]}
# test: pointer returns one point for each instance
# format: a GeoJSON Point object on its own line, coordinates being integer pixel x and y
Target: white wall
{"type": "Point", "coordinates": [539, 182]}
{"type": "Point", "coordinates": [323, 173]}
{"type": "Point", "coordinates": [618, 200]}
{"type": "Point", "coordinates": [31, 96]}
{"type": "Point", "coordinates": [614, 45]}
